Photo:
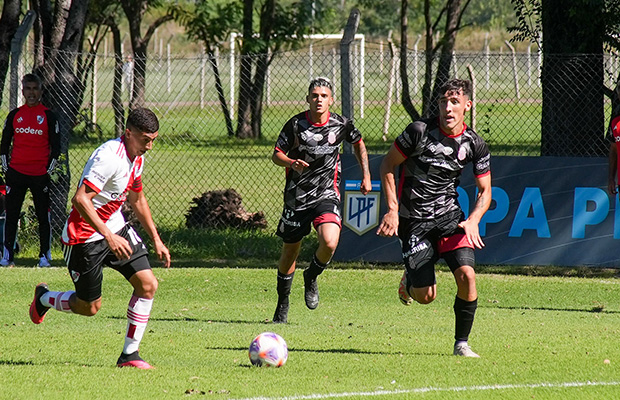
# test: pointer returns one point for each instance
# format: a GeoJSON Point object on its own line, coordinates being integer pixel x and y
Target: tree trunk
{"type": "Point", "coordinates": [8, 26]}
{"type": "Point", "coordinates": [117, 95]}
{"type": "Point", "coordinates": [572, 80]}
{"type": "Point", "coordinates": [244, 114]}
{"type": "Point", "coordinates": [220, 90]}
{"type": "Point", "coordinates": [404, 77]}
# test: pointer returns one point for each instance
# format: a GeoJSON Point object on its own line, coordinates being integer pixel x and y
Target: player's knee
{"type": "Point", "coordinates": [465, 276]}
{"type": "Point", "coordinates": [149, 288]}
{"type": "Point", "coordinates": [88, 309]}
{"type": "Point", "coordinates": [423, 295]}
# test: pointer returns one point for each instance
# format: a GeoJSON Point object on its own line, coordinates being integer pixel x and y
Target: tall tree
{"type": "Point", "coordinates": [453, 11]}
{"type": "Point", "coordinates": [211, 24]}
{"type": "Point", "coordinates": [278, 28]}
{"type": "Point", "coordinates": [9, 21]}
{"type": "Point", "coordinates": [58, 40]}
{"type": "Point", "coordinates": [573, 72]}
{"type": "Point", "coordinates": [135, 11]}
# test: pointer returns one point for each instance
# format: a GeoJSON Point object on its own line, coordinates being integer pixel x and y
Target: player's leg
{"type": "Point", "coordinates": [286, 272]}
{"type": "Point", "coordinates": [328, 227]}
{"type": "Point", "coordinates": [419, 256]}
{"type": "Point", "coordinates": [41, 200]}
{"type": "Point", "coordinates": [16, 187]}
{"type": "Point", "coordinates": [85, 265]}
{"type": "Point", "coordinates": [292, 228]}
{"type": "Point", "coordinates": [137, 271]}
{"type": "Point", "coordinates": [461, 262]}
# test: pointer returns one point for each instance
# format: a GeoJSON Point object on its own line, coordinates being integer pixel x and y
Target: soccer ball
{"type": "Point", "coordinates": [268, 349]}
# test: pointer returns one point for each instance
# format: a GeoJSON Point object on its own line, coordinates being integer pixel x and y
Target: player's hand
{"type": "Point", "coordinates": [472, 233]}
{"type": "Point", "coordinates": [119, 246]}
{"type": "Point", "coordinates": [162, 252]}
{"type": "Point", "coordinates": [612, 186]}
{"type": "Point", "coordinates": [52, 166]}
{"type": "Point", "coordinates": [366, 186]}
{"type": "Point", "coordinates": [299, 165]}
{"type": "Point", "coordinates": [389, 225]}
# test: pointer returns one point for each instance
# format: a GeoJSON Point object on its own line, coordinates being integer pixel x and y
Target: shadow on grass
{"type": "Point", "coordinates": [596, 310]}
{"type": "Point", "coordinates": [15, 363]}
{"type": "Point", "coordinates": [329, 351]}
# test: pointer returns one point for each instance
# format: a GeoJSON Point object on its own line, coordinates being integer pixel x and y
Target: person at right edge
{"type": "Point", "coordinates": [431, 154]}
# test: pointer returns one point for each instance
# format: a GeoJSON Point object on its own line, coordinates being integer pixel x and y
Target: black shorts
{"type": "Point", "coordinates": [294, 225]}
{"type": "Point", "coordinates": [85, 262]}
{"type": "Point", "coordinates": [425, 242]}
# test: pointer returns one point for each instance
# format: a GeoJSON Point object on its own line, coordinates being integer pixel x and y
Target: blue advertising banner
{"type": "Point", "coordinates": [545, 211]}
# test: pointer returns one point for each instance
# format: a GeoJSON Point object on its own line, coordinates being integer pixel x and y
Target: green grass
{"type": "Point", "coordinates": [528, 330]}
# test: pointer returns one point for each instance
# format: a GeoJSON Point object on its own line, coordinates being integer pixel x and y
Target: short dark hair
{"type": "Point", "coordinates": [456, 86]}
{"type": "Point", "coordinates": [143, 119]}
{"type": "Point", "coordinates": [32, 78]}
{"type": "Point", "coordinates": [321, 81]}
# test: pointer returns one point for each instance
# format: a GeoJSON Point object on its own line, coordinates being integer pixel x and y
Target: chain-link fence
{"type": "Point", "coordinates": [195, 152]}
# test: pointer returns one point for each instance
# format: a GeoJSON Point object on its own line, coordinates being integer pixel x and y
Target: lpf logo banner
{"type": "Point", "coordinates": [361, 212]}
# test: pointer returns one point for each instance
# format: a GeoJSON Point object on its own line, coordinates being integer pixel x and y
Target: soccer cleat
{"type": "Point", "coordinates": [463, 350]}
{"type": "Point", "coordinates": [37, 310]}
{"type": "Point", "coordinates": [132, 360]}
{"type": "Point", "coordinates": [44, 262]}
{"type": "Point", "coordinates": [311, 291]}
{"type": "Point", "coordinates": [281, 314]}
{"type": "Point", "coordinates": [403, 293]}
{"type": "Point", "coordinates": [5, 262]}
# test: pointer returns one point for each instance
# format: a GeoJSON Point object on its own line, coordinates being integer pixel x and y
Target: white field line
{"type": "Point", "coordinates": [438, 389]}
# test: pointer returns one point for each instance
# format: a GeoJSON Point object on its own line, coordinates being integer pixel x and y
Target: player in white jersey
{"type": "Point", "coordinates": [96, 235]}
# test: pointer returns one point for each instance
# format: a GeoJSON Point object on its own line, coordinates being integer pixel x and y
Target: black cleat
{"type": "Point", "coordinates": [37, 310]}
{"type": "Point", "coordinates": [132, 360]}
{"type": "Point", "coordinates": [311, 291]}
{"type": "Point", "coordinates": [281, 314]}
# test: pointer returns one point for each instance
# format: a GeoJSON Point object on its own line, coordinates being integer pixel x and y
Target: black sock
{"type": "Point", "coordinates": [284, 287]}
{"type": "Point", "coordinates": [464, 312]}
{"type": "Point", "coordinates": [316, 268]}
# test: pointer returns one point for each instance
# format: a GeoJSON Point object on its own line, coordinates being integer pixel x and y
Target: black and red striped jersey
{"type": "Point", "coordinates": [30, 138]}
{"type": "Point", "coordinates": [319, 146]}
{"type": "Point", "coordinates": [431, 172]}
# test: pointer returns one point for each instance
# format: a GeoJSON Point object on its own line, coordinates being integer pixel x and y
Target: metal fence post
{"type": "Point", "coordinates": [346, 78]}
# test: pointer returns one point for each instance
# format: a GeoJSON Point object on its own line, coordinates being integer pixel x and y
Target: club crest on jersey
{"type": "Point", "coordinates": [20, 119]}
{"type": "Point", "coordinates": [462, 153]}
{"type": "Point", "coordinates": [75, 275]}
{"type": "Point", "coordinates": [40, 119]}
{"type": "Point", "coordinates": [361, 212]}
{"type": "Point", "coordinates": [331, 138]}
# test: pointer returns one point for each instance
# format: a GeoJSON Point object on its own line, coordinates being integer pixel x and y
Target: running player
{"type": "Point", "coordinates": [29, 153]}
{"type": "Point", "coordinates": [309, 148]}
{"type": "Point", "coordinates": [96, 235]}
{"type": "Point", "coordinates": [430, 154]}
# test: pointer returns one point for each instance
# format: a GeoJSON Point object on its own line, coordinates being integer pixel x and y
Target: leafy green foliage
{"type": "Point", "coordinates": [529, 21]}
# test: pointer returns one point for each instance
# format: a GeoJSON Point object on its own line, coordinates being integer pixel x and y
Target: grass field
{"type": "Point", "coordinates": [539, 337]}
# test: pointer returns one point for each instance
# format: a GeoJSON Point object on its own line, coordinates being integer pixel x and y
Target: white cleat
{"type": "Point", "coordinates": [463, 350]}
{"type": "Point", "coordinates": [403, 296]}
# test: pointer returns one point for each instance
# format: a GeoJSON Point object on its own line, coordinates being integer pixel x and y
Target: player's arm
{"type": "Point", "coordinates": [389, 223]}
{"type": "Point", "coordinates": [612, 186]}
{"type": "Point", "coordinates": [483, 202]}
{"type": "Point", "coordinates": [143, 212]}
{"type": "Point", "coordinates": [7, 139]}
{"type": "Point", "coordinates": [83, 203]}
{"type": "Point", "coordinates": [281, 159]}
{"type": "Point", "coordinates": [359, 148]}
{"type": "Point", "coordinates": [54, 139]}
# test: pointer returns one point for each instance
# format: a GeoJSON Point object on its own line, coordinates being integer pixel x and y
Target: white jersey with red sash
{"type": "Point", "coordinates": [112, 174]}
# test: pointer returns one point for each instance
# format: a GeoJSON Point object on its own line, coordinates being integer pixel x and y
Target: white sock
{"type": "Point", "coordinates": [57, 300]}
{"type": "Point", "coordinates": [138, 313]}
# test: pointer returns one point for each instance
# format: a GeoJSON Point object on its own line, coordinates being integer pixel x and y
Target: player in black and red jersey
{"type": "Point", "coordinates": [613, 135]}
{"type": "Point", "coordinates": [309, 148]}
{"type": "Point", "coordinates": [29, 153]}
{"type": "Point", "coordinates": [430, 155]}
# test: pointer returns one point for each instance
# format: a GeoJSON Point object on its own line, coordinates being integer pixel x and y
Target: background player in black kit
{"type": "Point", "coordinates": [29, 153]}
{"type": "Point", "coordinates": [430, 154]}
{"type": "Point", "coordinates": [309, 148]}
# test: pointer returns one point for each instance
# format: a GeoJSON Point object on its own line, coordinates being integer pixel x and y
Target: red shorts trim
{"type": "Point", "coordinates": [454, 242]}
{"type": "Point", "coordinates": [323, 218]}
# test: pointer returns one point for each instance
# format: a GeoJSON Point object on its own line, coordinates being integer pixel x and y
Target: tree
{"type": "Point", "coordinates": [211, 24]}
{"type": "Point", "coordinates": [58, 37]}
{"type": "Point", "coordinates": [134, 11]}
{"type": "Point", "coordinates": [453, 11]}
{"type": "Point", "coordinates": [278, 28]}
{"type": "Point", "coordinates": [572, 77]}
{"type": "Point", "coordinates": [9, 21]}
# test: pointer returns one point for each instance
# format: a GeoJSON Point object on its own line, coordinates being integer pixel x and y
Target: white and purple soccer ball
{"type": "Point", "coordinates": [268, 349]}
